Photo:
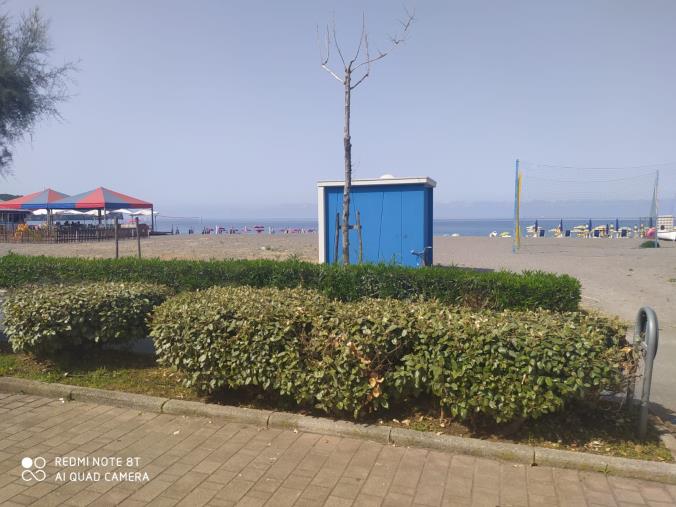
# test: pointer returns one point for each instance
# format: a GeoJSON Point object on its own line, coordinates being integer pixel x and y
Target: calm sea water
{"type": "Point", "coordinates": [442, 227]}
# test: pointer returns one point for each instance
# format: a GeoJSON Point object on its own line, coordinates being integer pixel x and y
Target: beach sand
{"type": "Point", "coordinates": [186, 246]}
{"type": "Point", "coordinates": [617, 277]}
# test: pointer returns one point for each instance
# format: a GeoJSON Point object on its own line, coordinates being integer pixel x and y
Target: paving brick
{"type": "Point", "coordinates": [22, 499]}
{"type": "Point", "coordinates": [335, 501]}
{"type": "Point", "coordinates": [656, 494]}
{"type": "Point", "coordinates": [431, 485]}
{"type": "Point", "coordinates": [193, 461]}
{"type": "Point", "coordinates": [236, 488]}
{"type": "Point", "coordinates": [393, 499]}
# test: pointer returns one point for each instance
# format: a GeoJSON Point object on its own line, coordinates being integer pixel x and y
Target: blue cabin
{"type": "Point", "coordinates": [395, 215]}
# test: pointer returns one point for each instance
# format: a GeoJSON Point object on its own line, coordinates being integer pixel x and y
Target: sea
{"type": "Point", "coordinates": [441, 227]}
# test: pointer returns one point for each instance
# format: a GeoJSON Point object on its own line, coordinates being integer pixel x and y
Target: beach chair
{"type": "Point", "coordinates": [541, 233]}
{"type": "Point", "coordinates": [623, 233]}
{"type": "Point", "coordinates": [597, 233]}
{"type": "Point", "coordinates": [567, 234]}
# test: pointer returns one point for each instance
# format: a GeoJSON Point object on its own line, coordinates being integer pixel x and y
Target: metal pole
{"type": "Point", "coordinates": [138, 239]}
{"type": "Point", "coordinates": [646, 338]}
{"type": "Point", "coordinates": [117, 239]}
{"type": "Point", "coordinates": [517, 229]}
{"type": "Point", "coordinates": [657, 180]}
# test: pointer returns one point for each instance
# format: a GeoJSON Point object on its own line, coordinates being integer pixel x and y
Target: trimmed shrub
{"type": "Point", "coordinates": [43, 320]}
{"type": "Point", "coordinates": [513, 364]}
{"type": "Point", "coordinates": [359, 357]}
{"type": "Point", "coordinates": [457, 286]}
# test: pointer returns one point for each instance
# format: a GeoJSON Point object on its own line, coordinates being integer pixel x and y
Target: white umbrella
{"type": "Point", "coordinates": [144, 213]}
{"type": "Point", "coordinates": [43, 212]}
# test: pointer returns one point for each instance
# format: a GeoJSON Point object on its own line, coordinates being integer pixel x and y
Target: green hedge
{"type": "Point", "coordinates": [43, 320]}
{"type": "Point", "coordinates": [359, 357]}
{"type": "Point", "coordinates": [495, 290]}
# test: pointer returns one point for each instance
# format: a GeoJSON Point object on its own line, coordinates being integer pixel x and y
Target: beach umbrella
{"type": "Point", "coordinates": [36, 200]}
{"type": "Point", "coordinates": [617, 224]}
{"type": "Point", "coordinates": [561, 225]}
{"type": "Point", "coordinates": [536, 226]}
{"type": "Point", "coordinates": [590, 224]}
{"type": "Point", "coordinates": [144, 213]}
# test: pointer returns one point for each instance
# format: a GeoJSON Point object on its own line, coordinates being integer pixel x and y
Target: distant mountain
{"type": "Point", "coordinates": [7, 197]}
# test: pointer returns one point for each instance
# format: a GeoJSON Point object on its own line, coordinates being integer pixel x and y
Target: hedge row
{"type": "Point", "coordinates": [44, 320]}
{"type": "Point", "coordinates": [494, 290]}
{"type": "Point", "coordinates": [358, 357]}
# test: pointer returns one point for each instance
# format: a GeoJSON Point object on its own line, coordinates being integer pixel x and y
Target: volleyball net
{"type": "Point", "coordinates": [576, 202]}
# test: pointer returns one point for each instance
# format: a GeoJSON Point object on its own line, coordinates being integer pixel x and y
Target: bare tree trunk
{"type": "Point", "coordinates": [349, 66]}
{"type": "Point", "coordinates": [348, 171]}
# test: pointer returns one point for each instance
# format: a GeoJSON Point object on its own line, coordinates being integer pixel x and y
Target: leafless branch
{"type": "Point", "coordinates": [325, 60]}
{"type": "Point", "coordinates": [395, 40]}
{"type": "Point", "coordinates": [368, 59]}
{"type": "Point", "coordinates": [361, 39]}
{"type": "Point", "coordinates": [335, 41]}
{"type": "Point", "coordinates": [350, 66]}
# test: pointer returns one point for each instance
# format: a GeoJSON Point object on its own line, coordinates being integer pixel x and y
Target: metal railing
{"type": "Point", "coordinates": [646, 340]}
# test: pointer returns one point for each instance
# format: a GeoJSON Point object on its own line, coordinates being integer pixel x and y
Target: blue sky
{"type": "Point", "coordinates": [221, 108]}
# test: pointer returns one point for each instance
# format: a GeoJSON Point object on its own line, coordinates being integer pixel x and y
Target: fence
{"type": "Point", "coordinates": [22, 233]}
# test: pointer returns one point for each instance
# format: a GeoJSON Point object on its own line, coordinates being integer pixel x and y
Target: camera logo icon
{"type": "Point", "coordinates": [33, 469]}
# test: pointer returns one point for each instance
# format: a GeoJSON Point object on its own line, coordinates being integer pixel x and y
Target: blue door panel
{"type": "Point", "coordinates": [413, 238]}
{"type": "Point", "coordinates": [389, 234]}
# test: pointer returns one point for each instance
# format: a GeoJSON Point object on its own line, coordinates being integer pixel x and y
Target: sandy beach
{"type": "Point", "coordinates": [617, 277]}
{"type": "Point", "coordinates": [186, 246]}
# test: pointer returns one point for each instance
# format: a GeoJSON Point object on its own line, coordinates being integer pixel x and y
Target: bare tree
{"type": "Point", "coordinates": [362, 66]}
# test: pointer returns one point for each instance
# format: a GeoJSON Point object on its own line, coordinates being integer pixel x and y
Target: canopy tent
{"type": "Point", "coordinates": [36, 200]}
{"type": "Point", "coordinates": [101, 199]}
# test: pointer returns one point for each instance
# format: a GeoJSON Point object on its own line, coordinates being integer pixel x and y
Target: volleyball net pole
{"type": "Point", "coordinates": [653, 207]}
{"type": "Point", "coordinates": [516, 242]}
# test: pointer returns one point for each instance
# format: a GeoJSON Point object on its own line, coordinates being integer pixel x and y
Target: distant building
{"type": "Point", "coordinates": [665, 223]}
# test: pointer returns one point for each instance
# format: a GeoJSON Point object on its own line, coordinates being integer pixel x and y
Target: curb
{"type": "Point", "coordinates": [471, 446]}
{"type": "Point", "coordinates": [229, 413]}
{"type": "Point", "coordinates": [326, 426]}
{"type": "Point", "coordinates": [526, 454]}
{"type": "Point", "coordinates": [116, 399]}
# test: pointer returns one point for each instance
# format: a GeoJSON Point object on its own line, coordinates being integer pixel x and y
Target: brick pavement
{"type": "Point", "coordinates": [197, 461]}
